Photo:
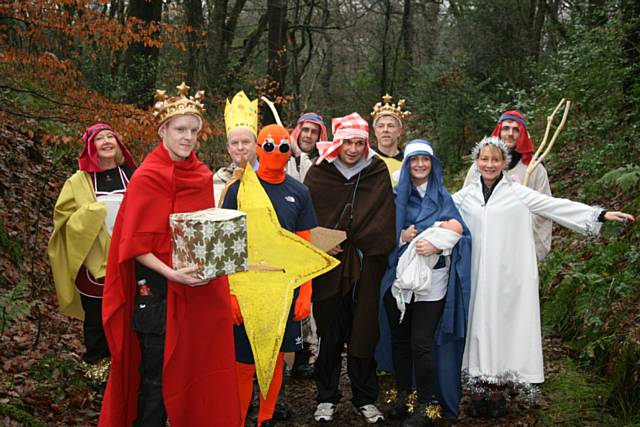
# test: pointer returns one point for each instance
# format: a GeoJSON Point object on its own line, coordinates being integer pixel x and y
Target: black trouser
{"type": "Point", "coordinates": [95, 341]}
{"type": "Point", "coordinates": [149, 322]}
{"type": "Point", "coordinates": [362, 372]}
{"type": "Point", "coordinates": [151, 410]}
{"type": "Point", "coordinates": [412, 343]}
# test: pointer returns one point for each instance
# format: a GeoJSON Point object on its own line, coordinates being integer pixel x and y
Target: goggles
{"type": "Point", "coordinates": [269, 145]}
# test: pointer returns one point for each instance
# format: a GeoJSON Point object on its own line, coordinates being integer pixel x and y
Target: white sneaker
{"type": "Point", "coordinates": [370, 413]}
{"type": "Point", "coordinates": [324, 412]}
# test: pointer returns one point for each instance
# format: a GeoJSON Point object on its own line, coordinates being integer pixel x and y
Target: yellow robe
{"type": "Point", "coordinates": [79, 237]}
{"type": "Point", "coordinates": [394, 167]}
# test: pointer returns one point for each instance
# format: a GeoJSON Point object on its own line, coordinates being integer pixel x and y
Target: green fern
{"type": "Point", "coordinates": [626, 177]}
{"type": "Point", "coordinates": [15, 303]}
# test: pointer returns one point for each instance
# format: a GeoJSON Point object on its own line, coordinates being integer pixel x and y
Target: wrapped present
{"type": "Point", "coordinates": [215, 239]}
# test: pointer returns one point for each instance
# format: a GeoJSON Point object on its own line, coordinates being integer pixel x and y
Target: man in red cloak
{"type": "Point", "coordinates": [171, 344]}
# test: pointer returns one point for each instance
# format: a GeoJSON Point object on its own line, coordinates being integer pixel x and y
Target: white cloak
{"type": "Point", "coordinates": [539, 181]}
{"type": "Point", "coordinates": [504, 332]}
{"type": "Point", "coordinates": [299, 171]}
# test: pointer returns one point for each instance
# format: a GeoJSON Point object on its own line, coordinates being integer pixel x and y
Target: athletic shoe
{"type": "Point", "coordinates": [370, 413]}
{"type": "Point", "coordinates": [324, 412]}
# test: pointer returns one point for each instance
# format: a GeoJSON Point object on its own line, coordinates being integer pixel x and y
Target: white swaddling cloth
{"type": "Point", "coordinates": [413, 273]}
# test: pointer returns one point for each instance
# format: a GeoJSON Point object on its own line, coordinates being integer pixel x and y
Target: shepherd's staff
{"type": "Point", "coordinates": [537, 157]}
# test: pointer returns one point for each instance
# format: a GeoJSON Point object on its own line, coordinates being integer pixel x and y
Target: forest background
{"type": "Point", "coordinates": [67, 64]}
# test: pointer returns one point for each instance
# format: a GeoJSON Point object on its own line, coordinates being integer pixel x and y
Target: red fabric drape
{"type": "Point", "coordinates": [199, 379]}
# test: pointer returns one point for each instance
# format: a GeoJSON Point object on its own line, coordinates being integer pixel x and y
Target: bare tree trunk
{"type": "Point", "coordinates": [196, 48]}
{"type": "Point", "coordinates": [216, 70]}
{"type": "Point", "coordinates": [277, 43]}
{"type": "Point", "coordinates": [250, 43]}
{"type": "Point", "coordinates": [222, 28]}
{"type": "Point", "coordinates": [327, 74]}
{"type": "Point", "coordinates": [430, 14]}
{"type": "Point", "coordinates": [553, 10]}
{"type": "Point", "coordinates": [141, 61]}
{"type": "Point", "coordinates": [538, 14]}
{"type": "Point", "coordinates": [385, 46]}
{"type": "Point", "coordinates": [302, 42]}
{"type": "Point", "coordinates": [407, 38]}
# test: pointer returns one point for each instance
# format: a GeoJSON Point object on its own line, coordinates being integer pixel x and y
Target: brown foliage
{"type": "Point", "coordinates": [42, 88]}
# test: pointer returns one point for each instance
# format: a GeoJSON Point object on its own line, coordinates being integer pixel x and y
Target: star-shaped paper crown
{"type": "Point", "coordinates": [386, 108]}
{"type": "Point", "coordinates": [167, 107]}
{"type": "Point", "coordinates": [241, 113]}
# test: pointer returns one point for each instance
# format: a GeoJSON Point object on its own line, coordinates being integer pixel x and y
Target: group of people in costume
{"type": "Point", "coordinates": [425, 284]}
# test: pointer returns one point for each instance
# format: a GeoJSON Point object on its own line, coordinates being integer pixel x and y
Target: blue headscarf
{"type": "Point", "coordinates": [436, 205]}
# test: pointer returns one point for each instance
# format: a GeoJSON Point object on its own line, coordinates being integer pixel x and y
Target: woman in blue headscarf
{"type": "Point", "coordinates": [424, 328]}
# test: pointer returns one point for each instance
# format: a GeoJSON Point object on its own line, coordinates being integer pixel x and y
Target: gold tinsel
{"type": "Point", "coordinates": [412, 401]}
{"type": "Point", "coordinates": [433, 411]}
{"type": "Point", "coordinates": [97, 372]}
{"type": "Point", "coordinates": [390, 396]}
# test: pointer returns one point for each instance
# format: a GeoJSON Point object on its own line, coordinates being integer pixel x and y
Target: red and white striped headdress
{"type": "Point", "coordinates": [347, 127]}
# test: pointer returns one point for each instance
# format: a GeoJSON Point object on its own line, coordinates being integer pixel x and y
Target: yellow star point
{"type": "Point", "coordinates": [265, 294]}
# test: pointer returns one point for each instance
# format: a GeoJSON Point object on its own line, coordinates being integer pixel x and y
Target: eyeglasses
{"type": "Point", "coordinates": [269, 145]}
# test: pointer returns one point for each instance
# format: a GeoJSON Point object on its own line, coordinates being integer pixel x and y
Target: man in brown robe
{"type": "Point", "coordinates": [351, 191]}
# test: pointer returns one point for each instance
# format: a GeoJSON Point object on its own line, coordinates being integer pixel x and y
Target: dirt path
{"type": "Point", "coordinates": [46, 382]}
{"type": "Point", "coordinates": [301, 394]}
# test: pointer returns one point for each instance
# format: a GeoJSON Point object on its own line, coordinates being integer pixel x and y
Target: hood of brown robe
{"type": "Point", "coordinates": [370, 227]}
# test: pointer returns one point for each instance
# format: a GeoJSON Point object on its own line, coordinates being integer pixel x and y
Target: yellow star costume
{"type": "Point", "coordinates": [265, 295]}
{"type": "Point", "coordinates": [79, 237]}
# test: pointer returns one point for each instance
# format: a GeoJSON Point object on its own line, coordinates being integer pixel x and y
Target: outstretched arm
{"type": "Point", "coordinates": [573, 215]}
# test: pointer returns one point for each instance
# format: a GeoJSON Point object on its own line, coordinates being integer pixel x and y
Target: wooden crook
{"type": "Point", "coordinates": [537, 157]}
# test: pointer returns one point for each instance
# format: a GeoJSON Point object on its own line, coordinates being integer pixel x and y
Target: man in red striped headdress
{"type": "Point", "coordinates": [351, 191]}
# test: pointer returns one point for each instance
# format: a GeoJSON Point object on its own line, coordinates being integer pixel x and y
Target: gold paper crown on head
{"type": "Point", "coordinates": [166, 107]}
{"type": "Point", "coordinates": [389, 109]}
{"type": "Point", "coordinates": [241, 113]}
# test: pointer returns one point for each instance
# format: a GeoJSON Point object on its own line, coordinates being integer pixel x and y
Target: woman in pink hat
{"type": "Point", "coordinates": [83, 218]}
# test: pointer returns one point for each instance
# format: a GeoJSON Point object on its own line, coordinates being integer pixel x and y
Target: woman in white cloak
{"type": "Point", "coordinates": [504, 334]}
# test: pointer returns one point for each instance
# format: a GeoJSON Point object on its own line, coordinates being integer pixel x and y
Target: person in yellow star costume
{"type": "Point", "coordinates": [271, 301]}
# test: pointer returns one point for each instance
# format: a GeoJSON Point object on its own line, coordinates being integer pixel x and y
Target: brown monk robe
{"type": "Point", "coordinates": [345, 300]}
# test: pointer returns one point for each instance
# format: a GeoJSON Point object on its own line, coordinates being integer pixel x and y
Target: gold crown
{"type": "Point", "coordinates": [390, 109]}
{"type": "Point", "coordinates": [241, 113]}
{"type": "Point", "coordinates": [167, 107]}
